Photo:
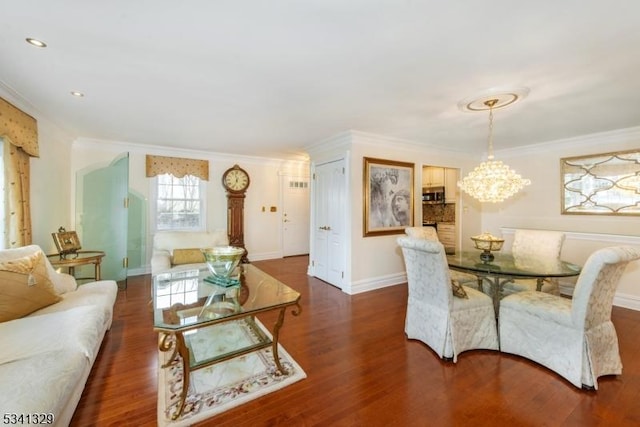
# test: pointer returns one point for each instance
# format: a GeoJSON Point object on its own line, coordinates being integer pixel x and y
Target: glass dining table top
{"type": "Point", "coordinates": [185, 300]}
{"type": "Point", "coordinates": [508, 265]}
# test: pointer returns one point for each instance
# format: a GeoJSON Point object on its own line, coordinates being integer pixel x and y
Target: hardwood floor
{"type": "Point", "coordinates": [362, 371]}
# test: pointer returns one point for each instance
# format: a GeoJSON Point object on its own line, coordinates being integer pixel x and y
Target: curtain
{"type": "Point", "coordinates": [17, 215]}
{"type": "Point", "coordinates": [178, 167]}
{"type": "Point", "coordinates": [19, 132]}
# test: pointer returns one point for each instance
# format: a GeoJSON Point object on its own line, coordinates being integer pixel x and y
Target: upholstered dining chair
{"type": "Point", "coordinates": [448, 324]}
{"type": "Point", "coordinates": [574, 338]}
{"type": "Point", "coordinates": [422, 233]}
{"type": "Point", "coordinates": [535, 246]}
{"type": "Point", "coordinates": [431, 234]}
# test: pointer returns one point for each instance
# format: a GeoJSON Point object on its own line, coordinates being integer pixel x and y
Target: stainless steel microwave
{"type": "Point", "coordinates": [433, 195]}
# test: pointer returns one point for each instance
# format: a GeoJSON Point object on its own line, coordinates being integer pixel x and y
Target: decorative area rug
{"type": "Point", "coordinates": [225, 385]}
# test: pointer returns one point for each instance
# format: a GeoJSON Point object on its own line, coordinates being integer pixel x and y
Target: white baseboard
{"type": "Point", "coordinates": [631, 302]}
{"type": "Point", "coordinates": [380, 282]}
{"type": "Point", "coordinates": [264, 255]}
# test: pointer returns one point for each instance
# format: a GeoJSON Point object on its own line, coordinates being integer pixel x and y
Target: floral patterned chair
{"type": "Point", "coordinates": [448, 324]}
{"type": "Point", "coordinates": [574, 338]}
{"type": "Point", "coordinates": [535, 245]}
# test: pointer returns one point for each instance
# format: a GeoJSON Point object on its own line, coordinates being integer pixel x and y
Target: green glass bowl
{"type": "Point", "coordinates": [222, 260]}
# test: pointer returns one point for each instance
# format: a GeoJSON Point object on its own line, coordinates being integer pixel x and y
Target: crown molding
{"type": "Point", "coordinates": [120, 146]}
{"type": "Point", "coordinates": [582, 142]}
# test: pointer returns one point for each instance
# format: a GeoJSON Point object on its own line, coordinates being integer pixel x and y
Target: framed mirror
{"type": "Point", "coordinates": [601, 184]}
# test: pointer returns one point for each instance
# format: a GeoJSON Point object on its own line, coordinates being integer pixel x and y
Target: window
{"type": "Point", "coordinates": [179, 203]}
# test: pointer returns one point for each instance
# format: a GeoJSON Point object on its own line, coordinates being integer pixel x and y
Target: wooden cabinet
{"type": "Point", "coordinates": [450, 185]}
{"type": "Point", "coordinates": [432, 176]}
{"type": "Point", "coordinates": [447, 236]}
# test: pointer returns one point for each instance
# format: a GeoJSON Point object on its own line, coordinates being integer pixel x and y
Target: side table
{"type": "Point", "coordinates": [73, 260]}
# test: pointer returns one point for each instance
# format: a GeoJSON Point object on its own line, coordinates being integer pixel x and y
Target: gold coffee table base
{"type": "Point", "coordinates": [179, 348]}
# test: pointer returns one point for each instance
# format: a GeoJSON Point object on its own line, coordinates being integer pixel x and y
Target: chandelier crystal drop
{"type": "Point", "coordinates": [492, 181]}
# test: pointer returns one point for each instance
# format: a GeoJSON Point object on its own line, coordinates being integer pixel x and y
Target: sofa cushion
{"type": "Point", "coordinates": [78, 329]}
{"type": "Point", "coordinates": [42, 383]}
{"type": "Point", "coordinates": [101, 294]}
{"type": "Point", "coordinates": [25, 286]}
{"type": "Point", "coordinates": [166, 242]}
{"type": "Point", "coordinates": [170, 240]}
{"type": "Point", "coordinates": [61, 282]}
{"type": "Point", "coordinates": [187, 256]}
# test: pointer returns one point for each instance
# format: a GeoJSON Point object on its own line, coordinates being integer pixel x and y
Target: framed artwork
{"type": "Point", "coordinates": [601, 184]}
{"type": "Point", "coordinates": [388, 196]}
{"type": "Point", "coordinates": [67, 242]}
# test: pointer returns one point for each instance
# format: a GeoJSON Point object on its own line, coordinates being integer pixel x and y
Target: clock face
{"type": "Point", "coordinates": [236, 180]}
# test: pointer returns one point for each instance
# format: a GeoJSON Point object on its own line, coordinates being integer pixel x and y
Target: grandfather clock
{"type": "Point", "coordinates": [236, 181]}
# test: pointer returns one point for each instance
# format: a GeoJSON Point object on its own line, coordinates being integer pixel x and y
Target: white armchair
{"type": "Point", "coordinates": [446, 323]}
{"type": "Point", "coordinates": [542, 246]}
{"type": "Point", "coordinates": [574, 338]}
{"type": "Point", "coordinates": [166, 243]}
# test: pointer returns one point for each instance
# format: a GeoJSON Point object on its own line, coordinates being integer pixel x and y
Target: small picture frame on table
{"type": "Point", "coordinates": [67, 242]}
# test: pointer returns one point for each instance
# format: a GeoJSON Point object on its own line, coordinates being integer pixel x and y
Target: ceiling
{"type": "Point", "coordinates": [268, 78]}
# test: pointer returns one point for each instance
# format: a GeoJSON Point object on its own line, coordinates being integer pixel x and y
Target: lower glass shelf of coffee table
{"type": "Point", "coordinates": [224, 341]}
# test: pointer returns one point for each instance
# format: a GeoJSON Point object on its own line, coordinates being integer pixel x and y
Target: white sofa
{"type": "Point", "coordinates": [47, 355]}
{"type": "Point", "coordinates": [165, 244]}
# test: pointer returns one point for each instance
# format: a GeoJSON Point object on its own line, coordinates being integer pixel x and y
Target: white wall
{"type": "Point", "coordinates": [50, 175]}
{"type": "Point", "coordinates": [262, 229]}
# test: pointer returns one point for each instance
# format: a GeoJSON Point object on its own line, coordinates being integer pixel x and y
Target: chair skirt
{"type": "Point", "coordinates": [539, 327]}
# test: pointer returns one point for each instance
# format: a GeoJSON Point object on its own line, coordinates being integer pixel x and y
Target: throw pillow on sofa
{"type": "Point", "coordinates": [25, 287]}
{"type": "Point", "coordinates": [187, 256]}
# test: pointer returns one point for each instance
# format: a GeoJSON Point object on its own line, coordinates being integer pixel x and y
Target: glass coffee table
{"type": "Point", "coordinates": [185, 304]}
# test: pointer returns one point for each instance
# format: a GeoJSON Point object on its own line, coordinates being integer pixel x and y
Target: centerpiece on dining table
{"type": "Point", "coordinates": [487, 243]}
{"type": "Point", "coordinates": [222, 261]}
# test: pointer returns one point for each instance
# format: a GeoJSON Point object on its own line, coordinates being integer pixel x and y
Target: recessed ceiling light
{"type": "Point", "coordinates": [36, 42]}
{"type": "Point", "coordinates": [77, 94]}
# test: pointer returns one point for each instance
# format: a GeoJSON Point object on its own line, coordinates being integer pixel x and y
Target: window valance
{"type": "Point", "coordinates": [178, 167]}
{"type": "Point", "coordinates": [18, 128]}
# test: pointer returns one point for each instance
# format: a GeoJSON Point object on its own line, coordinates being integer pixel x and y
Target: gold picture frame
{"type": "Point", "coordinates": [601, 184]}
{"type": "Point", "coordinates": [67, 242]}
{"type": "Point", "coordinates": [388, 196]}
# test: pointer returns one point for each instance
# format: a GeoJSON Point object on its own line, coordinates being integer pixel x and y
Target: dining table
{"type": "Point", "coordinates": [505, 267]}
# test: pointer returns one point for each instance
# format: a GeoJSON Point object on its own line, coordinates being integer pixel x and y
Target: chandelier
{"type": "Point", "coordinates": [492, 181]}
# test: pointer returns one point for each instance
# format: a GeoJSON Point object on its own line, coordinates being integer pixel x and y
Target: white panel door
{"type": "Point", "coordinates": [295, 216]}
{"type": "Point", "coordinates": [329, 219]}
